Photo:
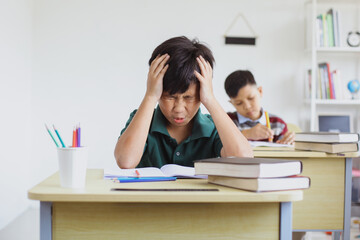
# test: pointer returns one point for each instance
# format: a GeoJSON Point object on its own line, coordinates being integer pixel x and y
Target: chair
{"type": "Point", "coordinates": [293, 128]}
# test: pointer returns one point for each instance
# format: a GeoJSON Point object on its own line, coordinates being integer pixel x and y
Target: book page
{"type": "Point", "coordinates": [144, 172]}
{"type": "Point", "coordinates": [174, 170]}
{"type": "Point", "coordinates": [269, 144]}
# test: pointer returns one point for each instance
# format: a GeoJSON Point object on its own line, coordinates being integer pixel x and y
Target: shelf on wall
{"type": "Point", "coordinates": [339, 49]}
{"type": "Point", "coordinates": [334, 101]}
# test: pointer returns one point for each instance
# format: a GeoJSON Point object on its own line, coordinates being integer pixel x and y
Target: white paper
{"type": "Point", "coordinates": [169, 170]}
{"type": "Point", "coordinates": [268, 144]}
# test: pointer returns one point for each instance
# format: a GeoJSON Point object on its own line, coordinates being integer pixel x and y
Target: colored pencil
{"type": "Point", "coordinates": [78, 136]}
{"type": "Point", "coordinates": [144, 179]}
{"type": "Point", "coordinates": [74, 138]}
{"type": "Point", "coordinates": [57, 145]}
{"type": "Point", "coordinates": [268, 123]}
{"type": "Point", "coordinates": [57, 133]}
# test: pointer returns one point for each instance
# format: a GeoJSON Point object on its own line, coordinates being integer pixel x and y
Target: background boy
{"type": "Point", "coordinates": [249, 117]}
{"type": "Point", "coordinates": [179, 80]}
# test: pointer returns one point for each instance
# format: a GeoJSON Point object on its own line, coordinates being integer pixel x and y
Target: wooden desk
{"type": "Point", "coordinates": [98, 213]}
{"type": "Point", "coordinates": [327, 203]}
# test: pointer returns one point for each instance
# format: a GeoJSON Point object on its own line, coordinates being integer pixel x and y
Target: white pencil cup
{"type": "Point", "coordinates": [72, 166]}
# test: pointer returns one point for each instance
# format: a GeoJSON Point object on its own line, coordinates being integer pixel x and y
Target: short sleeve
{"type": "Point", "coordinates": [217, 145]}
{"type": "Point", "coordinates": [215, 138]}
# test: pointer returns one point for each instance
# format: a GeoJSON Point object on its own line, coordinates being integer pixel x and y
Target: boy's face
{"type": "Point", "coordinates": [247, 101]}
{"type": "Point", "coordinates": [179, 109]}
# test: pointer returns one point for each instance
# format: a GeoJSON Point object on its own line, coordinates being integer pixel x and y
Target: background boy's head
{"type": "Point", "coordinates": [244, 94]}
{"type": "Point", "coordinates": [182, 63]}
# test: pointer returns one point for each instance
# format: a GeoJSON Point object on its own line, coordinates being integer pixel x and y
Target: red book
{"type": "Point", "coordinates": [331, 85]}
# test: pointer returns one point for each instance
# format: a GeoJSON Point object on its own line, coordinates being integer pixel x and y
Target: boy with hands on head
{"type": "Point", "coordinates": [249, 117]}
{"type": "Point", "coordinates": [179, 80]}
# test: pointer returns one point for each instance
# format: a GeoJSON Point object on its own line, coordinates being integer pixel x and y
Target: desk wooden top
{"type": "Point", "coordinates": [98, 190]}
{"type": "Point", "coordinates": [291, 153]}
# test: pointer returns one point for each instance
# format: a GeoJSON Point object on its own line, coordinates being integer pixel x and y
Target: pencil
{"type": "Point", "coordinates": [78, 135]}
{"type": "Point", "coordinates": [57, 145]}
{"type": "Point", "coordinates": [57, 133]}
{"type": "Point", "coordinates": [268, 123]}
{"type": "Point", "coordinates": [74, 138]}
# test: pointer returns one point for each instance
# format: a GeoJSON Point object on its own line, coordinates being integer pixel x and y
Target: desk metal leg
{"type": "Point", "coordinates": [336, 235]}
{"type": "Point", "coordinates": [347, 200]}
{"type": "Point", "coordinates": [285, 220]}
{"type": "Point", "coordinates": [45, 220]}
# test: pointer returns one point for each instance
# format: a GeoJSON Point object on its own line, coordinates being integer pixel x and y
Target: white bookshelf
{"type": "Point", "coordinates": [340, 53]}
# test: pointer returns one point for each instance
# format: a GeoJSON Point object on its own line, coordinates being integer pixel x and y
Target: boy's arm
{"type": "Point", "coordinates": [234, 143]}
{"type": "Point", "coordinates": [130, 146]}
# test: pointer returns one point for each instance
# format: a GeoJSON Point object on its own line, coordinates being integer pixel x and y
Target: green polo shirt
{"type": "Point", "coordinates": [161, 148]}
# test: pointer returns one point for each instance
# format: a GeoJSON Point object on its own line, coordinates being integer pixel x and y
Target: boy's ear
{"type": "Point", "coordinates": [260, 91]}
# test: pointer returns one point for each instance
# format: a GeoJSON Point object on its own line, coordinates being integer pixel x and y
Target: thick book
{"type": "Point", "coordinates": [168, 170]}
{"type": "Point", "coordinates": [327, 147]}
{"type": "Point", "coordinates": [262, 184]}
{"type": "Point", "coordinates": [248, 167]}
{"type": "Point", "coordinates": [326, 137]}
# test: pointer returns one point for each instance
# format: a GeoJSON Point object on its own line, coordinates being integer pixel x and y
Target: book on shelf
{"type": "Point", "coordinates": [328, 29]}
{"type": "Point", "coordinates": [329, 84]}
{"type": "Point", "coordinates": [327, 147]}
{"type": "Point", "coordinates": [168, 170]}
{"type": "Point", "coordinates": [248, 167]}
{"type": "Point", "coordinates": [262, 184]}
{"type": "Point", "coordinates": [326, 137]}
{"type": "Point", "coordinates": [326, 81]}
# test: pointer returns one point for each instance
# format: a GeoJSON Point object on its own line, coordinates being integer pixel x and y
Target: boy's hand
{"type": "Point", "coordinates": [288, 138]}
{"type": "Point", "coordinates": [258, 132]}
{"type": "Point", "coordinates": [205, 79]}
{"type": "Point", "coordinates": [155, 76]}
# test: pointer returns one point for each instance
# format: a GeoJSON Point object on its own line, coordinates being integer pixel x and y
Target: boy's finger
{"type": "Point", "coordinates": [198, 76]}
{"type": "Point", "coordinates": [161, 65]}
{"type": "Point", "coordinates": [201, 65]}
{"type": "Point", "coordinates": [156, 62]}
{"type": "Point", "coordinates": [163, 71]}
{"type": "Point", "coordinates": [206, 64]}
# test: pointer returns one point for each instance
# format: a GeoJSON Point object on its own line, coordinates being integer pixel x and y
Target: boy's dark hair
{"type": "Point", "coordinates": [237, 80]}
{"type": "Point", "coordinates": [182, 63]}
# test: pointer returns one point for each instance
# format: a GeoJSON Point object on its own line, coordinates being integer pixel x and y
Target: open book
{"type": "Point", "coordinates": [168, 170]}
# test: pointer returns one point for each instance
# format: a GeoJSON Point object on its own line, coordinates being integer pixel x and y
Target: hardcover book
{"type": "Point", "coordinates": [262, 184]}
{"type": "Point", "coordinates": [326, 137]}
{"type": "Point", "coordinates": [327, 147]}
{"type": "Point", "coordinates": [248, 167]}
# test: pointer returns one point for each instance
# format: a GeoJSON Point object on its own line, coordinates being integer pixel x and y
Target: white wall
{"type": "Point", "coordinates": [15, 85]}
{"type": "Point", "coordinates": [90, 61]}
{"type": "Point", "coordinates": [90, 65]}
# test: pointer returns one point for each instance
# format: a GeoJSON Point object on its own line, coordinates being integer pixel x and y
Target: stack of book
{"type": "Point", "coordinates": [253, 174]}
{"type": "Point", "coordinates": [330, 142]}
